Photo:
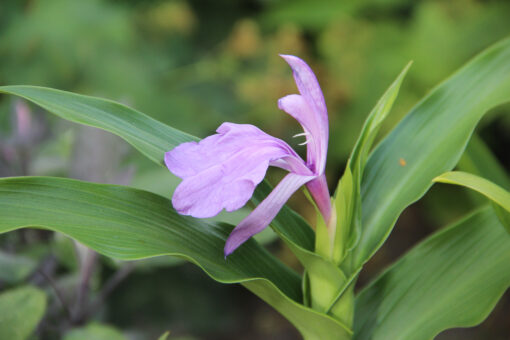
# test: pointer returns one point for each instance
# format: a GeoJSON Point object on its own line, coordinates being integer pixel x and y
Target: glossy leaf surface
{"type": "Point", "coordinates": [126, 223]}
{"type": "Point", "coordinates": [428, 142]}
{"type": "Point", "coordinates": [478, 159]}
{"type": "Point", "coordinates": [153, 138]}
{"type": "Point", "coordinates": [485, 187]}
{"type": "Point", "coordinates": [348, 203]}
{"type": "Point", "coordinates": [452, 279]}
{"type": "Point", "coordinates": [499, 196]}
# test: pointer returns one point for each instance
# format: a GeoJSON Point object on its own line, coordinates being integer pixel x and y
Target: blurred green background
{"type": "Point", "coordinates": [193, 65]}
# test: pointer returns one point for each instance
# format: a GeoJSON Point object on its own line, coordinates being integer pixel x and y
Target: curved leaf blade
{"type": "Point", "coordinates": [485, 187]}
{"type": "Point", "coordinates": [478, 159]}
{"type": "Point", "coordinates": [153, 138]}
{"type": "Point", "coordinates": [452, 279]}
{"type": "Point", "coordinates": [499, 196]}
{"type": "Point", "coordinates": [94, 331]}
{"type": "Point", "coordinates": [21, 309]}
{"type": "Point", "coordinates": [149, 136]}
{"type": "Point", "coordinates": [430, 141]}
{"type": "Point", "coordinates": [127, 223]}
{"type": "Point", "coordinates": [374, 121]}
{"type": "Point", "coordinates": [347, 199]}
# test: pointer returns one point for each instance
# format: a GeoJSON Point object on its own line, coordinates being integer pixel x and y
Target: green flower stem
{"type": "Point", "coordinates": [327, 287]}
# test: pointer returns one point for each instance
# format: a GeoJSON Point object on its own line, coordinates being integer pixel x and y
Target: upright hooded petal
{"type": "Point", "coordinates": [309, 109]}
{"type": "Point", "coordinates": [222, 170]}
{"type": "Point", "coordinates": [265, 212]}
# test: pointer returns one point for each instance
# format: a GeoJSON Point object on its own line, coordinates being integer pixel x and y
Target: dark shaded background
{"type": "Point", "coordinates": [194, 65]}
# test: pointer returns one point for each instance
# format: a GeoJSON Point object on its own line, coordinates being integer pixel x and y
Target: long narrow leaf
{"type": "Point", "coordinates": [126, 223]}
{"type": "Point", "coordinates": [453, 279]}
{"type": "Point", "coordinates": [485, 187]}
{"type": "Point", "coordinates": [499, 196]}
{"type": "Point", "coordinates": [427, 142]}
{"type": "Point", "coordinates": [348, 203]}
{"type": "Point", "coordinates": [479, 160]}
{"type": "Point", "coordinates": [153, 139]}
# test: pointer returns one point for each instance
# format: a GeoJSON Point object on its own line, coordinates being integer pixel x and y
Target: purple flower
{"type": "Point", "coordinates": [222, 170]}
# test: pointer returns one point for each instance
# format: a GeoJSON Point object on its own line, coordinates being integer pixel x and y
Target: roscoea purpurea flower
{"type": "Point", "coordinates": [222, 170]}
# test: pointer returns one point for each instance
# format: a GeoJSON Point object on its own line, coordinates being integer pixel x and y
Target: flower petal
{"type": "Point", "coordinates": [318, 188]}
{"type": "Point", "coordinates": [307, 84]}
{"type": "Point", "coordinates": [316, 149]}
{"type": "Point", "coordinates": [265, 212]}
{"type": "Point", "coordinates": [222, 171]}
{"type": "Point", "coordinates": [310, 110]}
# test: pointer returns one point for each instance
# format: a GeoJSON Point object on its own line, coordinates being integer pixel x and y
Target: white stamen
{"type": "Point", "coordinates": [301, 134]}
{"type": "Point", "coordinates": [304, 142]}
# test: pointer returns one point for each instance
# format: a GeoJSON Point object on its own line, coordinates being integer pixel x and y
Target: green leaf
{"type": "Point", "coordinates": [479, 160]}
{"type": "Point", "coordinates": [348, 195]}
{"type": "Point", "coordinates": [15, 268]}
{"type": "Point", "coordinates": [149, 136]}
{"type": "Point", "coordinates": [94, 331]}
{"type": "Point", "coordinates": [21, 309]}
{"type": "Point", "coordinates": [164, 336]}
{"type": "Point", "coordinates": [503, 215]}
{"type": "Point", "coordinates": [322, 278]}
{"type": "Point", "coordinates": [345, 200]}
{"type": "Point", "coordinates": [498, 195]}
{"type": "Point", "coordinates": [452, 279]}
{"type": "Point", "coordinates": [127, 223]}
{"type": "Point", "coordinates": [153, 139]}
{"type": "Point", "coordinates": [485, 187]}
{"type": "Point", "coordinates": [428, 142]}
{"type": "Point", "coordinates": [338, 295]}
{"type": "Point", "coordinates": [374, 121]}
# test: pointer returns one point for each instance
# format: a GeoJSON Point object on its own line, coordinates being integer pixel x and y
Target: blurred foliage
{"type": "Point", "coordinates": [156, 55]}
{"type": "Point", "coordinates": [15, 268]}
{"type": "Point", "coordinates": [194, 64]}
{"type": "Point", "coordinates": [22, 309]}
{"type": "Point", "coordinates": [94, 331]}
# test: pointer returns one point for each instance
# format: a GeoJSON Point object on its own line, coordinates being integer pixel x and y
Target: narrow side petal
{"type": "Point", "coordinates": [265, 212]}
